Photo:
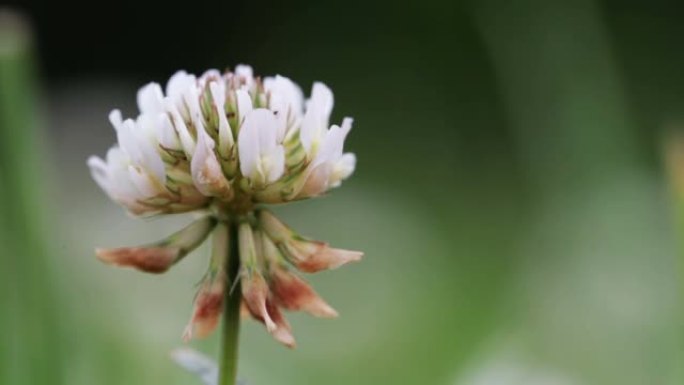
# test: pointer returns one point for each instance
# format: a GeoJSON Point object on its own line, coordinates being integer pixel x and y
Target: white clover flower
{"type": "Point", "coordinates": [227, 144]}
{"type": "Point", "coordinates": [228, 138]}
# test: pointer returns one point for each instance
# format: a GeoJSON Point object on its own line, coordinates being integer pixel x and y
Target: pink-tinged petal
{"type": "Point", "coordinates": [157, 258]}
{"type": "Point", "coordinates": [148, 259]}
{"type": "Point", "coordinates": [207, 309]}
{"type": "Point", "coordinates": [255, 293]}
{"type": "Point", "coordinates": [282, 332]}
{"type": "Point", "coordinates": [307, 255]}
{"type": "Point", "coordinates": [317, 178]}
{"type": "Point", "coordinates": [280, 329]}
{"type": "Point", "coordinates": [293, 293]}
{"type": "Point", "coordinates": [311, 256]}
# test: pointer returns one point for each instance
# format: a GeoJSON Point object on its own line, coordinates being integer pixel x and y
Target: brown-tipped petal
{"type": "Point", "coordinates": [148, 259]}
{"type": "Point", "coordinates": [325, 257]}
{"type": "Point", "coordinates": [206, 312]}
{"type": "Point", "coordinates": [282, 332]}
{"type": "Point", "coordinates": [255, 295]}
{"type": "Point", "coordinates": [293, 293]}
{"type": "Point", "coordinates": [308, 255]}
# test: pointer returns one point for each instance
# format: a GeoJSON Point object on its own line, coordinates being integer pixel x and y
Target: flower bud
{"type": "Point", "coordinates": [159, 257]}
{"type": "Point", "coordinates": [307, 255]}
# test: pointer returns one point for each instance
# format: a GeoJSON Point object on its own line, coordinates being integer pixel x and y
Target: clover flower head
{"type": "Point", "coordinates": [223, 138]}
{"type": "Point", "coordinates": [226, 144]}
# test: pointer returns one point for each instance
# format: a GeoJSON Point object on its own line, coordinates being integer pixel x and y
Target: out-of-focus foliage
{"type": "Point", "coordinates": [509, 195]}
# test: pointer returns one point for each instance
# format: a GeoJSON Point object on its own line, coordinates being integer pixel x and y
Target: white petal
{"type": "Point", "coordinates": [244, 105]}
{"type": "Point", "coordinates": [205, 168]}
{"type": "Point", "coordinates": [179, 82]}
{"type": "Point", "coordinates": [286, 100]}
{"type": "Point", "coordinates": [125, 136]}
{"type": "Point", "coordinates": [322, 100]}
{"type": "Point", "coordinates": [257, 142]}
{"type": "Point", "coordinates": [225, 134]}
{"type": "Point", "coordinates": [186, 139]}
{"type": "Point", "coordinates": [209, 75]}
{"type": "Point", "coordinates": [244, 71]}
{"type": "Point", "coordinates": [142, 182]}
{"type": "Point", "coordinates": [150, 98]}
{"type": "Point", "coordinates": [315, 121]}
{"type": "Point", "coordinates": [139, 142]}
{"type": "Point", "coordinates": [120, 186]}
{"type": "Point", "coordinates": [342, 169]}
{"type": "Point", "coordinates": [276, 164]}
{"type": "Point", "coordinates": [331, 148]}
{"type": "Point", "coordinates": [248, 146]}
{"type": "Point", "coordinates": [166, 136]}
{"type": "Point", "coordinates": [100, 172]}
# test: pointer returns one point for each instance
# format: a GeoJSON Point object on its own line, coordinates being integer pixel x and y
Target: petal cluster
{"type": "Point", "coordinates": [269, 253]}
{"type": "Point", "coordinates": [228, 138]}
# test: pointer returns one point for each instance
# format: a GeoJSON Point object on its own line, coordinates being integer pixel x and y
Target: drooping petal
{"type": "Point", "coordinates": [160, 256]}
{"type": "Point", "coordinates": [293, 293]}
{"type": "Point", "coordinates": [255, 294]}
{"type": "Point", "coordinates": [282, 331]}
{"type": "Point", "coordinates": [307, 255]}
{"type": "Point", "coordinates": [211, 295]}
{"type": "Point", "coordinates": [150, 259]}
{"type": "Point", "coordinates": [207, 308]}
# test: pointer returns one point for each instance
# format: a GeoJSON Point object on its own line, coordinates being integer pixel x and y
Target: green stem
{"type": "Point", "coordinates": [231, 312]}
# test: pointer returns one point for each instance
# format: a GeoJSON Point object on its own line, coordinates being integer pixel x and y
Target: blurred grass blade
{"type": "Point", "coordinates": [29, 353]}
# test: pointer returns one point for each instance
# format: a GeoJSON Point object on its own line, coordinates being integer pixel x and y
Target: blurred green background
{"type": "Point", "coordinates": [510, 194]}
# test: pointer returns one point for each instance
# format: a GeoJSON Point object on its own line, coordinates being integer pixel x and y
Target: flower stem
{"type": "Point", "coordinates": [231, 312]}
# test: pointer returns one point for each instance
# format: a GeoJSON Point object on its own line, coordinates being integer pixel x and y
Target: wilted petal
{"type": "Point", "coordinates": [311, 257]}
{"type": "Point", "coordinates": [157, 258]}
{"type": "Point", "coordinates": [293, 293]}
{"type": "Point", "coordinates": [210, 297]}
{"type": "Point", "coordinates": [282, 332]}
{"type": "Point", "coordinates": [148, 259]}
{"type": "Point", "coordinates": [255, 294]}
{"type": "Point", "coordinates": [207, 308]}
{"type": "Point", "coordinates": [307, 255]}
